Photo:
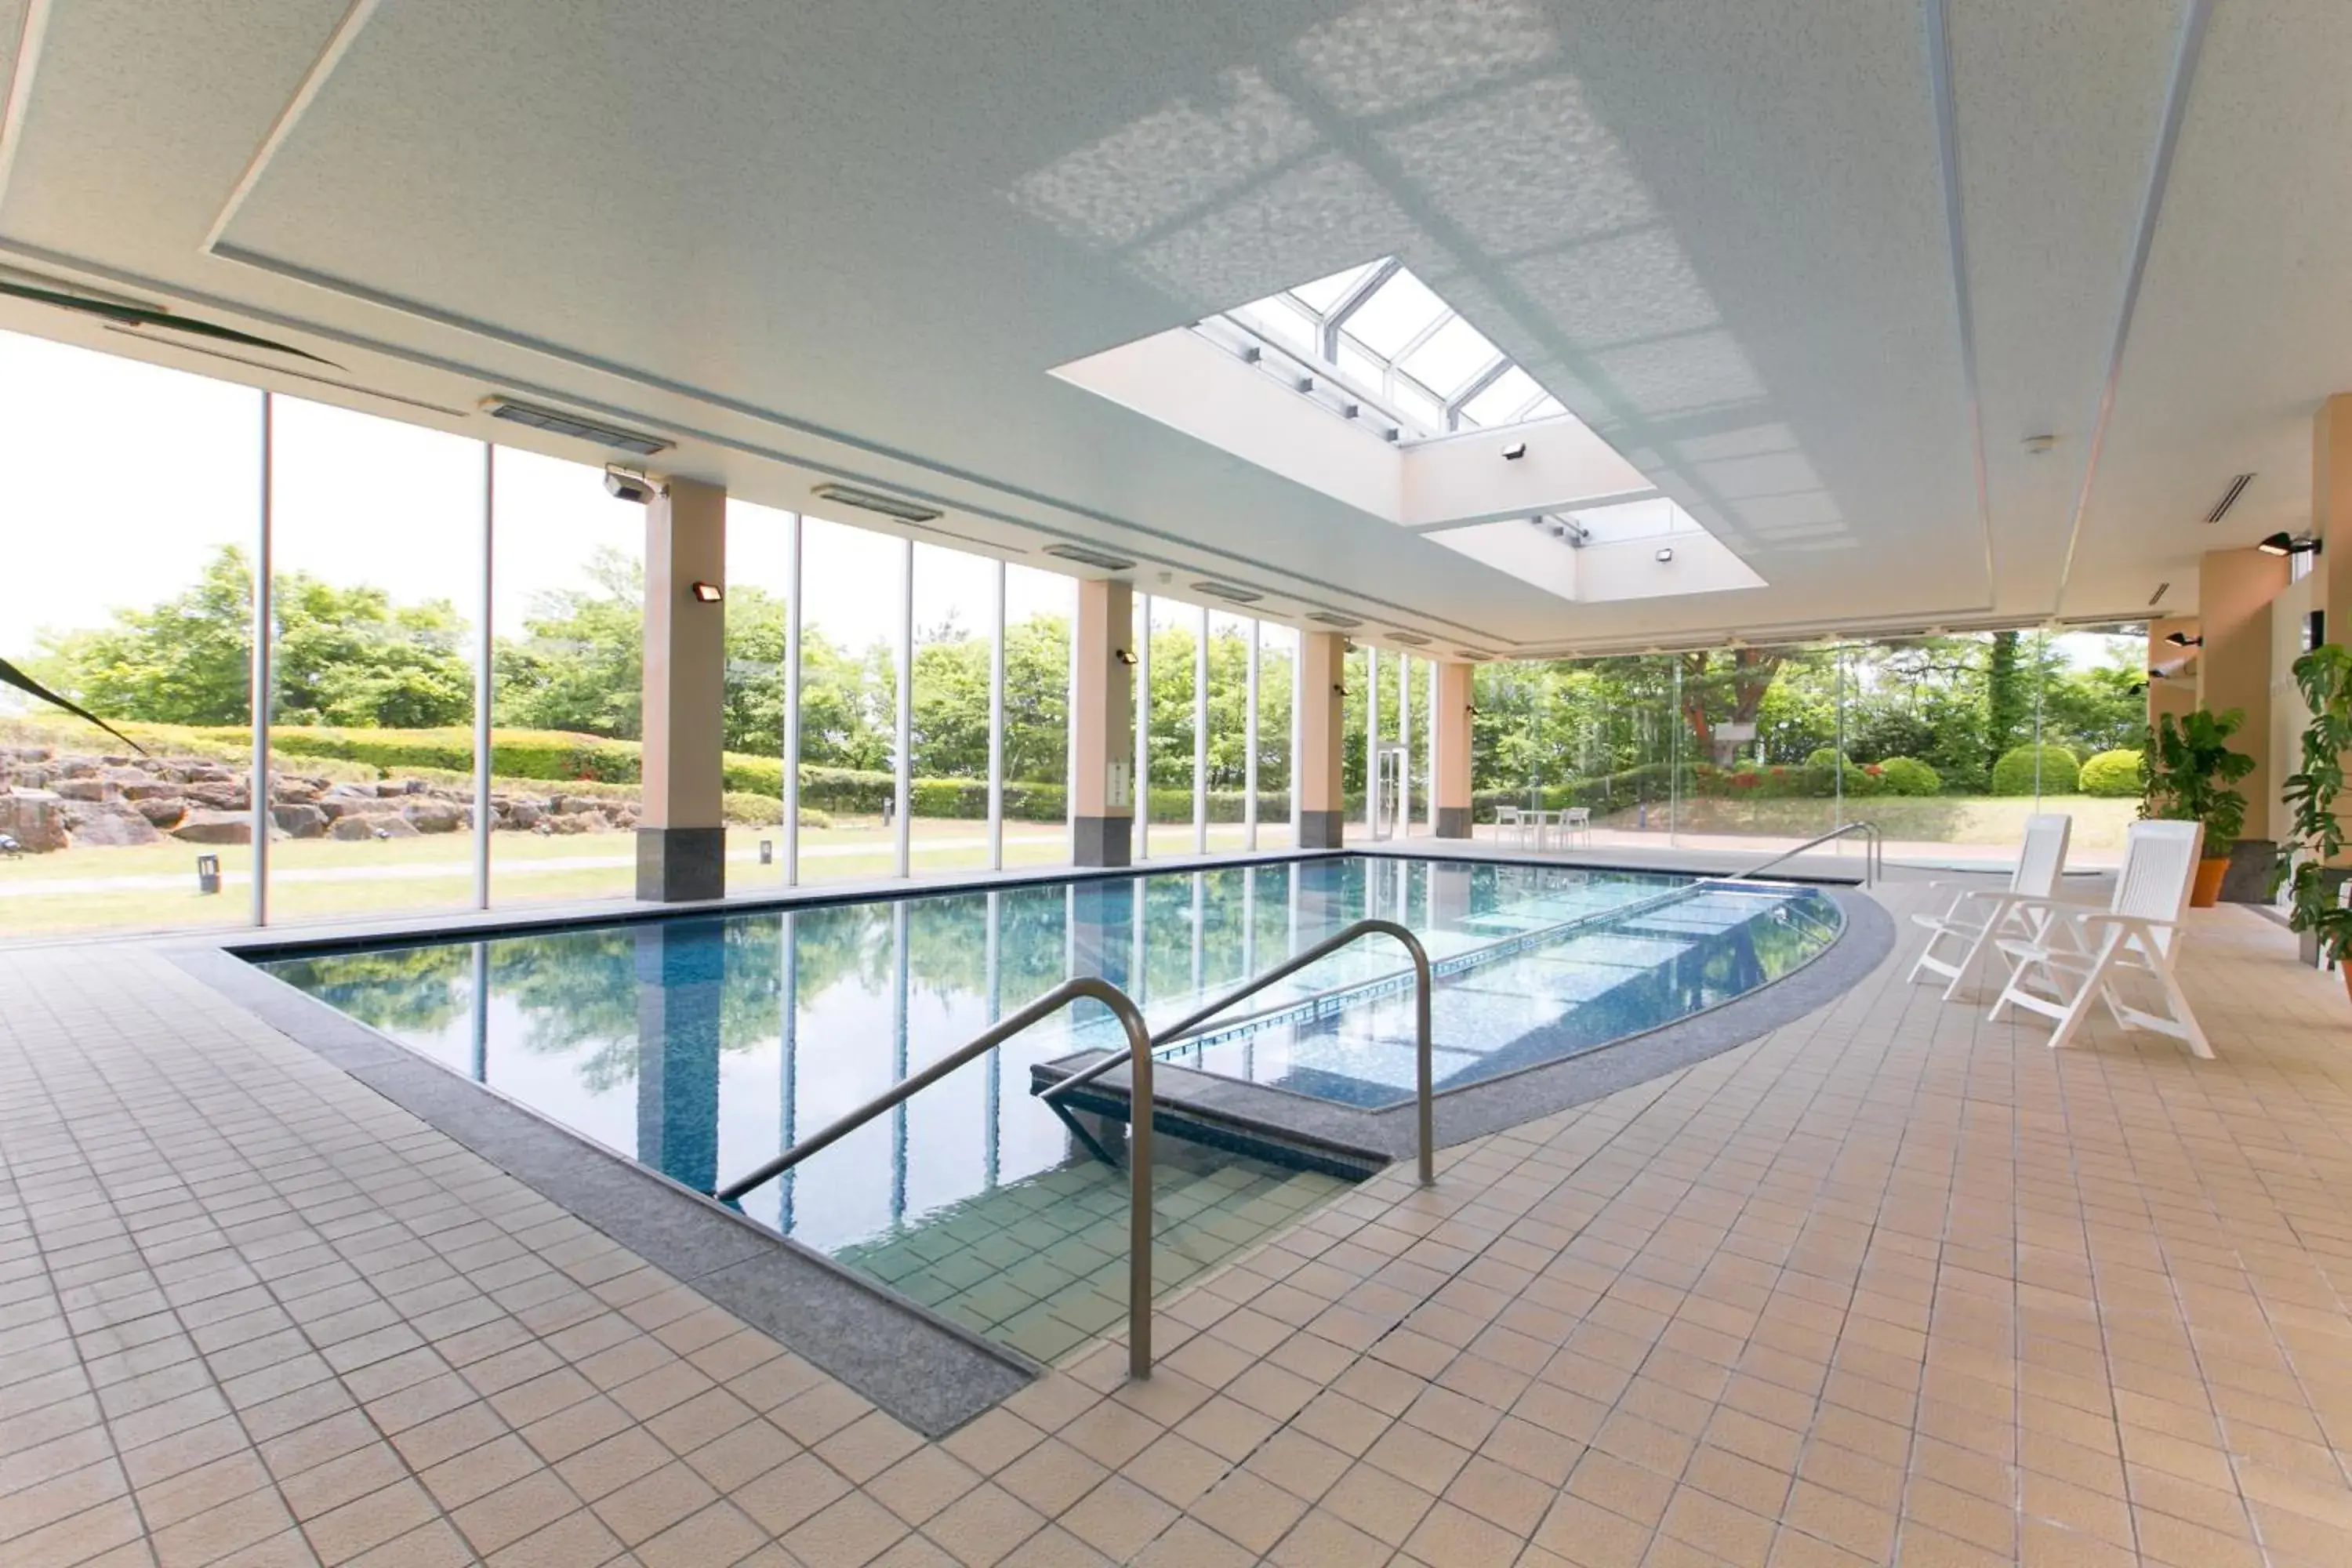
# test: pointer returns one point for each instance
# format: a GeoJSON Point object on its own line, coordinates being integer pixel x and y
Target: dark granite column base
{"type": "Point", "coordinates": [1322, 830]}
{"type": "Point", "coordinates": [1453, 822]}
{"type": "Point", "coordinates": [675, 865]}
{"type": "Point", "coordinates": [1104, 840]}
{"type": "Point", "coordinates": [2248, 881]}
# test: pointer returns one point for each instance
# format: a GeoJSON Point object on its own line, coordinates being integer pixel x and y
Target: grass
{"type": "Point", "coordinates": [2099, 822]}
{"type": "Point", "coordinates": [153, 887]}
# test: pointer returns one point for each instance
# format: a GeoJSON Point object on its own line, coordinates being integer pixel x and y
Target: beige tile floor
{"type": "Point", "coordinates": [1889, 1284]}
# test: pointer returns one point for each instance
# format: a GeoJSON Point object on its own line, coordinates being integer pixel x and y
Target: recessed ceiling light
{"type": "Point", "coordinates": [1228, 592]}
{"type": "Point", "coordinates": [2037, 445]}
{"type": "Point", "coordinates": [1333, 618]}
{"type": "Point", "coordinates": [894, 507]}
{"type": "Point", "coordinates": [1410, 639]}
{"type": "Point", "coordinates": [1084, 557]}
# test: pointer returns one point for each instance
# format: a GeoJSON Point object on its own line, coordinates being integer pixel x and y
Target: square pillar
{"type": "Point", "coordinates": [1450, 768]}
{"type": "Point", "coordinates": [1322, 679]}
{"type": "Point", "coordinates": [2234, 590]}
{"type": "Point", "coordinates": [681, 828]}
{"type": "Point", "coordinates": [2331, 513]}
{"type": "Point", "coordinates": [1102, 730]}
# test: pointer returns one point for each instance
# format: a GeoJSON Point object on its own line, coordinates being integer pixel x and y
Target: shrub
{"type": "Point", "coordinates": [1910, 776]}
{"type": "Point", "coordinates": [1825, 758]}
{"type": "Point", "coordinates": [2113, 775]}
{"type": "Point", "coordinates": [2014, 773]}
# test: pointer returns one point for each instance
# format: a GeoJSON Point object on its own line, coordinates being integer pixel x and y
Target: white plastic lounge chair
{"type": "Point", "coordinates": [1977, 917]}
{"type": "Point", "coordinates": [2082, 955]}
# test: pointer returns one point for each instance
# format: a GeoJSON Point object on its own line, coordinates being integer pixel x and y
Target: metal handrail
{"type": "Point", "coordinates": [1424, 1072]}
{"type": "Point", "coordinates": [1874, 859]}
{"type": "Point", "coordinates": [1138, 1043]}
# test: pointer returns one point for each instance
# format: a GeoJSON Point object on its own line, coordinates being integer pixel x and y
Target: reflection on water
{"type": "Point", "coordinates": [702, 1046]}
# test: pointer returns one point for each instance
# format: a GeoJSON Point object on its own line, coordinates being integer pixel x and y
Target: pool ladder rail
{"type": "Point", "coordinates": [1873, 853]}
{"type": "Point", "coordinates": [1141, 1043]}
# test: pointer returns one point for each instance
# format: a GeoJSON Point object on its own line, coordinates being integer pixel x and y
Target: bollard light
{"type": "Point", "coordinates": [767, 851]}
{"type": "Point", "coordinates": [208, 874]}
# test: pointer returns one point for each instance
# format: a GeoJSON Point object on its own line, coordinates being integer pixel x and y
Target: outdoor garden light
{"type": "Point", "coordinates": [2182, 639]}
{"type": "Point", "coordinates": [709, 593]}
{"type": "Point", "coordinates": [2287, 544]}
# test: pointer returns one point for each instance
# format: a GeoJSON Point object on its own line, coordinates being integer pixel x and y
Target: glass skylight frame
{"type": "Point", "coordinates": [1281, 324]}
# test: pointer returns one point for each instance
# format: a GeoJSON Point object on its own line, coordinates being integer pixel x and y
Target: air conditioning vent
{"type": "Point", "coordinates": [1333, 618]}
{"type": "Point", "coordinates": [1100, 558]}
{"type": "Point", "coordinates": [2157, 597]}
{"type": "Point", "coordinates": [1229, 592]}
{"type": "Point", "coordinates": [2228, 497]}
{"type": "Point", "coordinates": [555, 421]}
{"type": "Point", "coordinates": [891, 507]}
{"type": "Point", "coordinates": [1410, 639]}
{"type": "Point", "coordinates": [1474, 655]}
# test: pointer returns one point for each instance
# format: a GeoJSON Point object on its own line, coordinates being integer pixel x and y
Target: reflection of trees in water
{"type": "Point", "coordinates": [402, 990]}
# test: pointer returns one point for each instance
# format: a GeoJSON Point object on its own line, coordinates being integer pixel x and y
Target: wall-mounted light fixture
{"type": "Point", "coordinates": [1666, 555]}
{"type": "Point", "coordinates": [2287, 544]}
{"type": "Point", "coordinates": [1515, 451]}
{"type": "Point", "coordinates": [709, 593]}
{"type": "Point", "coordinates": [2182, 639]}
{"type": "Point", "coordinates": [1124, 655]}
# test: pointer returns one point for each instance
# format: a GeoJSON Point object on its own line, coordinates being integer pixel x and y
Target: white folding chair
{"type": "Point", "coordinates": [2082, 955]}
{"type": "Point", "coordinates": [1977, 917]}
{"type": "Point", "coordinates": [1507, 821]}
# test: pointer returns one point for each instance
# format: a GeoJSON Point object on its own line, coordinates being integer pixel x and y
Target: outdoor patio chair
{"type": "Point", "coordinates": [1507, 821]}
{"type": "Point", "coordinates": [2082, 955]}
{"type": "Point", "coordinates": [1977, 917]}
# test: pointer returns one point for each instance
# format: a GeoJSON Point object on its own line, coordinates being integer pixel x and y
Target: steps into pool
{"type": "Point", "coordinates": [1040, 1264]}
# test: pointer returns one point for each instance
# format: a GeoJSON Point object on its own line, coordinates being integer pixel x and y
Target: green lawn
{"type": "Point", "coordinates": [153, 887]}
{"type": "Point", "coordinates": [1975, 820]}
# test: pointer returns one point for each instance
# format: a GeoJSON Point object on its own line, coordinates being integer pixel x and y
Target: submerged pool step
{"type": "Point", "coordinates": [1040, 1264]}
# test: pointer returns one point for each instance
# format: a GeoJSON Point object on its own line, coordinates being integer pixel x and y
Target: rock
{"type": "Point", "coordinates": [292, 791]}
{"type": "Point", "coordinates": [77, 768]}
{"type": "Point", "coordinates": [299, 819]}
{"type": "Point", "coordinates": [115, 829]}
{"type": "Point", "coordinates": [163, 810]}
{"type": "Point", "coordinates": [221, 796]}
{"type": "Point", "coordinates": [35, 818]}
{"type": "Point", "coordinates": [151, 789]}
{"type": "Point", "coordinates": [520, 814]}
{"type": "Point", "coordinates": [362, 827]}
{"type": "Point", "coordinates": [206, 825]}
{"type": "Point", "coordinates": [81, 788]}
{"type": "Point", "coordinates": [428, 815]}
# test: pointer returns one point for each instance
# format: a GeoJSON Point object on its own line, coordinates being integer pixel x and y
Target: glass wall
{"type": "Point", "coordinates": [1277, 743]}
{"type": "Point", "coordinates": [1225, 775]}
{"type": "Point", "coordinates": [1175, 640]}
{"type": "Point", "coordinates": [376, 585]}
{"type": "Point", "coordinates": [128, 588]}
{"type": "Point", "coordinates": [1041, 607]}
{"type": "Point", "coordinates": [854, 584]}
{"type": "Point", "coordinates": [956, 627]}
{"type": "Point", "coordinates": [568, 608]}
{"type": "Point", "coordinates": [761, 542]}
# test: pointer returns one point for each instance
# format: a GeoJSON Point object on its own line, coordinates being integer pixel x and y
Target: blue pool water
{"type": "Point", "coordinates": [702, 1046]}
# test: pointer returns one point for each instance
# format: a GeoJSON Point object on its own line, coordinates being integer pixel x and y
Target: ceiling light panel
{"type": "Point", "coordinates": [895, 507]}
{"type": "Point", "coordinates": [556, 422]}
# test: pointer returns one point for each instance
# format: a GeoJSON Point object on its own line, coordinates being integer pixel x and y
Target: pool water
{"type": "Point", "coordinates": [702, 1046]}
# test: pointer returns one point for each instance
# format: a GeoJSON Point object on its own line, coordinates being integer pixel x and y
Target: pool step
{"type": "Point", "coordinates": [1040, 1264]}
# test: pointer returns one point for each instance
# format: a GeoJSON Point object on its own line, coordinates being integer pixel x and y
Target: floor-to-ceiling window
{"type": "Point", "coordinates": [956, 625]}
{"type": "Point", "coordinates": [568, 611]}
{"type": "Point", "coordinates": [132, 525]}
{"type": "Point", "coordinates": [1175, 641]}
{"type": "Point", "coordinates": [761, 546]}
{"type": "Point", "coordinates": [376, 602]}
{"type": "Point", "coordinates": [1277, 745]}
{"type": "Point", "coordinates": [1225, 742]}
{"type": "Point", "coordinates": [1041, 608]}
{"type": "Point", "coordinates": [853, 583]}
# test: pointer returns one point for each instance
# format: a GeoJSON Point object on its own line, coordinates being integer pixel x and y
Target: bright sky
{"type": "Point", "coordinates": [123, 477]}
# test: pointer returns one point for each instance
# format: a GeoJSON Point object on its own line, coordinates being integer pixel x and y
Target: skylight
{"type": "Point", "coordinates": [1377, 337]}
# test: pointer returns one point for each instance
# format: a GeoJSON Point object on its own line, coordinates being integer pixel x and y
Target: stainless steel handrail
{"type": "Point", "coordinates": [1175, 1032]}
{"type": "Point", "coordinates": [1874, 859]}
{"type": "Point", "coordinates": [1139, 1051]}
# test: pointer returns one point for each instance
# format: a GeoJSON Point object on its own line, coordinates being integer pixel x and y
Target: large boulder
{"type": "Point", "coordinates": [90, 789]}
{"type": "Point", "coordinates": [383, 826]}
{"type": "Point", "coordinates": [35, 818]}
{"type": "Point", "coordinates": [286, 791]}
{"type": "Point", "coordinates": [522, 813]}
{"type": "Point", "coordinates": [207, 825]}
{"type": "Point", "coordinates": [150, 789]}
{"type": "Point", "coordinates": [216, 797]}
{"type": "Point", "coordinates": [116, 828]}
{"type": "Point", "coordinates": [297, 820]}
{"type": "Point", "coordinates": [429, 816]}
{"type": "Point", "coordinates": [162, 810]}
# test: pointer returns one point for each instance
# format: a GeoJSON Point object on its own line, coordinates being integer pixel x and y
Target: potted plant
{"type": "Point", "coordinates": [2316, 838]}
{"type": "Point", "coordinates": [2190, 768]}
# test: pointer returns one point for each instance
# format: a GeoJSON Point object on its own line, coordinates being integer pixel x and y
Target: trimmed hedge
{"type": "Point", "coordinates": [2061, 772]}
{"type": "Point", "coordinates": [1910, 776]}
{"type": "Point", "coordinates": [2113, 775]}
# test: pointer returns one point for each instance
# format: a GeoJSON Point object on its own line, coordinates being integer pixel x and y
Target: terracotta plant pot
{"type": "Point", "coordinates": [2207, 889]}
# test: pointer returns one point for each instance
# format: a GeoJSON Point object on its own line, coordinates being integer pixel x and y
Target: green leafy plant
{"type": "Point", "coordinates": [2325, 676]}
{"type": "Point", "coordinates": [2190, 768]}
{"type": "Point", "coordinates": [1910, 776]}
{"type": "Point", "coordinates": [2020, 773]}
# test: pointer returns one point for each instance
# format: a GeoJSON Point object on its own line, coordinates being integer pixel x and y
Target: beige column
{"type": "Point", "coordinates": [2331, 513]}
{"type": "Point", "coordinates": [2175, 691]}
{"type": "Point", "coordinates": [681, 828]}
{"type": "Point", "coordinates": [1322, 677]}
{"type": "Point", "coordinates": [2234, 590]}
{"type": "Point", "coordinates": [1450, 777]}
{"type": "Point", "coordinates": [1102, 795]}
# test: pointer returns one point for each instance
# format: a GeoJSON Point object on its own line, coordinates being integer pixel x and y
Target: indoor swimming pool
{"type": "Point", "coordinates": [702, 1046]}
